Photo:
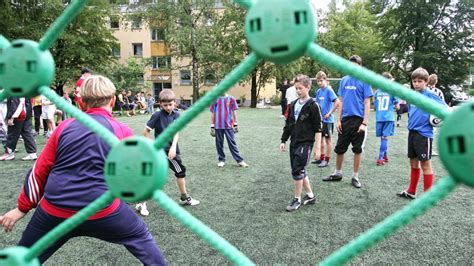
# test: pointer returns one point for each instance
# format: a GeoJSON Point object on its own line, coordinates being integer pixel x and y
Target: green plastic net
{"type": "Point", "coordinates": [278, 31]}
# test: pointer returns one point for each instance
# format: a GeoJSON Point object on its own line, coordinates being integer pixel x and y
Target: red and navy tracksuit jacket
{"type": "Point", "coordinates": [69, 174]}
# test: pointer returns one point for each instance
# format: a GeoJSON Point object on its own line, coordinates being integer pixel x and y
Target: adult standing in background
{"type": "Point", "coordinates": [85, 73]}
{"type": "Point", "coordinates": [283, 87]}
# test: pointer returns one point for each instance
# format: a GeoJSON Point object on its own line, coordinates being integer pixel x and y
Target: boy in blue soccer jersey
{"type": "Point", "coordinates": [159, 121]}
{"type": "Point", "coordinates": [328, 101]}
{"type": "Point", "coordinates": [304, 126]}
{"type": "Point", "coordinates": [352, 124]}
{"type": "Point", "coordinates": [384, 104]}
{"type": "Point", "coordinates": [420, 137]}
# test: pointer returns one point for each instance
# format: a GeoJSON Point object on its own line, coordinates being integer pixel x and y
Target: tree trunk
{"type": "Point", "coordinates": [59, 89]}
{"type": "Point", "coordinates": [195, 68]}
{"type": "Point", "coordinates": [253, 90]}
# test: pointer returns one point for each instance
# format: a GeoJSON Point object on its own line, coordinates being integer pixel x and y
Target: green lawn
{"type": "Point", "coordinates": [247, 206]}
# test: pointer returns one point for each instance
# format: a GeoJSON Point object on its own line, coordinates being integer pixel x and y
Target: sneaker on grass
{"type": "Point", "coordinates": [243, 164]}
{"type": "Point", "coordinates": [405, 194]}
{"type": "Point", "coordinates": [333, 177]}
{"type": "Point", "coordinates": [7, 156]}
{"type": "Point", "coordinates": [294, 205]}
{"type": "Point", "coordinates": [323, 164]}
{"type": "Point", "coordinates": [30, 157]}
{"type": "Point", "coordinates": [189, 201]}
{"type": "Point", "coordinates": [220, 164]}
{"type": "Point", "coordinates": [308, 200]}
{"type": "Point", "coordinates": [142, 209]}
{"type": "Point", "coordinates": [356, 183]}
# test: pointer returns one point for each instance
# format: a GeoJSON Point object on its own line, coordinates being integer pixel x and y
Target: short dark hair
{"type": "Point", "coordinates": [420, 73]}
{"type": "Point", "coordinates": [85, 70]}
{"type": "Point", "coordinates": [356, 59]}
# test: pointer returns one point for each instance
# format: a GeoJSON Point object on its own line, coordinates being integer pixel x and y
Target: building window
{"type": "Point", "coordinates": [136, 23]}
{"type": "Point", "coordinates": [114, 23]}
{"type": "Point", "coordinates": [137, 49]}
{"type": "Point", "coordinates": [116, 50]}
{"type": "Point", "coordinates": [185, 77]}
{"type": "Point", "coordinates": [157, 34]}
{"type": "Point", "coordinates": [209, 77]}
{"type": "Point", "coordinates": [161, 62]}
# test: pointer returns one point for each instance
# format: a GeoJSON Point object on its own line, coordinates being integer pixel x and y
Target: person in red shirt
{"type": "Point", "coordinates": [85, 73]}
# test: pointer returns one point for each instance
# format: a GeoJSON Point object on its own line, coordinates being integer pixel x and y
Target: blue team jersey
{"type": "Point", "coordinates": [353, 93]}
{"type": "Point", "coordinates": [325, 97]}
{"type": "Point", "coordinates": [419, 120]}
{"type": "Point", "coordinates": [384, 104]}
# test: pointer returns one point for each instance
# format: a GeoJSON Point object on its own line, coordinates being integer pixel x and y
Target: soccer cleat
{"type": "Point", "coordinates": [405, 194]}
{"type": "Point", "coordinates": [434, 153]}
{"type": "Point", "coordinates": [189, 201]}
{"type": "Point", "coordinates": [243, 164]}
{"type": "Point", "coordinates": [142, 209]}
{"type": "Point", "coordinates": [7, 156]}
{"type": "Point", "coordinates": [333, 177]}
{"type": "Point", "coordinates": [294, 205]}
{"type": "Point", "coordinates": [323, 164]}
{"type": "Point", "coordinates": [385, 158]}
{"type": "Point", "coordinates": [308, 200]}
{"type": "Point", "coordinates": [380, 162]}
{"type": "Point", "coordinates": [356, 183]}
{"type": "Point", "coordinates": [316, 161]}
{"type": "Point", "coordinates": [30, 157]}
{"type": "Point", "coordinates": [220, 164]}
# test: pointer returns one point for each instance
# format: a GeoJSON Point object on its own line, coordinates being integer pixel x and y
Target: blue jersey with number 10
{"type": "Point", "coordinates": [384, 103]}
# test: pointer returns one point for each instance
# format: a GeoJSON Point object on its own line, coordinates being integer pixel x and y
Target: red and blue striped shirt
{"type": "Point", "coordinates": [223, 110]}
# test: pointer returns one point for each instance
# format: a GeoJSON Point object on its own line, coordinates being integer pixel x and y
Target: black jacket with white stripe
{"type": "Point", "coordinates": [303, 130]}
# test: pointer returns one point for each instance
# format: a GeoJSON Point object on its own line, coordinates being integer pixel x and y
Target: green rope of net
{"type": "Point", "coordinates": [264, 36]}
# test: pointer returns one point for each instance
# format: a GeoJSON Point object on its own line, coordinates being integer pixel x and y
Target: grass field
{"type": "Point", "coordinates": [247, 206]}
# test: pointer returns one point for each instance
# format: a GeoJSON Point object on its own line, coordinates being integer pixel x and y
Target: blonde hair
{"type": "Point", "coordinates": [167, 96]}
{"type": "Point", "coordinates": [97, 91]}
{"type": "Point", "coordinates": [321, 75]}
{"type": "Point", "coordinates": [303, 79]}
{"type": "Point", "coordinates": [432, 79]}
{"type": "Point", "coordinates": [420, 73]}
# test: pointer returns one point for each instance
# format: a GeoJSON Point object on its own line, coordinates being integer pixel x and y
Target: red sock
{"type": "Point", "coordinates": [326, 158]}
{"type": "Point", "coordinates": [414, 177]}
{"type": "Point", "coordinates": [322, 157]}
{"type": "Point", "coordinates": [427, 181]}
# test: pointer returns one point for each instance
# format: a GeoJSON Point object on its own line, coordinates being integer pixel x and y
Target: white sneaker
{"type": "Point", "coordinates": [189, 201]}
{"type": "Point", "coordinates": [243, 164]}
{"type": "Point", "coordinates": [141, 208]}
{"type": "Point", "coordinates": [220, 164]}
{"type": "Point", "coordinates": [30, 157]}
{"type": "Point", "coordinates": [7, 156]}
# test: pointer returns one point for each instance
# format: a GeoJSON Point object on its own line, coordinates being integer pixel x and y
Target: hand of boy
{"type": "Point", "coordinates": [236, 128]}
{"type": "Point", "coordinates": [362, 128]}
{"type": "Point", "coordinates": [282, 147]}
{"type": "Point", "coordinates": [9, 219]}
{"type": "Point", "coordinates": [339, 127]}
{"type": "Point", "coordinates": [172, 153]}
{"type": "Point", "coordinates": [213, 131]}
{"type": "Point", "coordinates": [10, 122]}
{"type": "Point", "coordinates": [327, 116]}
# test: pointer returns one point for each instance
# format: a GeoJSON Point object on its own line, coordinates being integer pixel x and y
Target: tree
{"type": "Point", "coordinates": [187, 26]}
{"type": "Point", "coordinates": [87, 41]}
{"type": "Point", "coordinates": [435, 35]}
{"type": "Point", "coordinates": [129, 75]}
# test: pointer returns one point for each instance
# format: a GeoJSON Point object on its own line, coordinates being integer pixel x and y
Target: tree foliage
{"type": "Point", "coordinates": [87, 41]}
{"type": "Point", "coordinates": [128, 75]}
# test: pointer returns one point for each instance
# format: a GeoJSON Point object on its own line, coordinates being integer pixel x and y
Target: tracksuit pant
{"type": "Point", "coordinates": [234, 150]}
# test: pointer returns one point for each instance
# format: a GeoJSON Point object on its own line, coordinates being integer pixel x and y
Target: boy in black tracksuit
{"type": "Point", "coordinates": [304, 125]}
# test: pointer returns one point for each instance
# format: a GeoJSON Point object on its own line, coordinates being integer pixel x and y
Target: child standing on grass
{"type": "Point", "coordinates": [150, 101]}
{"type": "Point", "coordinates": [328, 101]}
{"type": "Point", "coordinates": [384, 104]}
{"type": "Point", "coordinates": [158, 122]}
{"type": "Point", "coordinates": [303, 125]}
{"type": "Point", "coordinates": [224, 123]}
{"type": "Point", "coordinates": [69, 175]}
{"type": "Point", "coordinates": [420, 137]}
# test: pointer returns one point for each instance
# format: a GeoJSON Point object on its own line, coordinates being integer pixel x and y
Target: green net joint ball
{"type": "Point", "coordinates": [24, 68]}
{"type": "Point", "coordinates": [280, 31]}
{"type": "Point", "coordinates": [134, 169]}
{"type": "Point", "coordinates": [456, 144]}
{"type": "Point", "coordinates": [15, 256]}
{"type": "Point", "coordinates": [4, 43]}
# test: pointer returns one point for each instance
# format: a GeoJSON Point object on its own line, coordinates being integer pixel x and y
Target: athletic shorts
{"type": "Point", "coordinates": [403, 109]}
{"type": "Point", "coordinates": [384, 129]}
{"type": "Point", "coordinates": [299, 159]}
{"type": "Point", "coordinates": [176, 165]}
{"type": "Point", "coordinates": [47, 112]}
{"type": "Point", "coordinates": [419, 147]}
{"type": "Point", "coordinates": [328, 130]}
{"type": "Point", "coordinates": [349, 135]}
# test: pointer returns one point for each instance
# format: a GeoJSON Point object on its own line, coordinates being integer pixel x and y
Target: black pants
{"type": "Point", "coordinates": [283, 106]}
{"type": "Point", "coordinates": [22, 128]}
{"type": "Point", "coordinates": [37, 114]}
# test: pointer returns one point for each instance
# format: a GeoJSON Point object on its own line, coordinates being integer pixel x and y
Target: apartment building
{"type": "Point", "coordinates": [137, 39]}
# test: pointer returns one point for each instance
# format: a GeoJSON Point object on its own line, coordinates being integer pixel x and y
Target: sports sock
{"type": "Point", "coordinates": [355, 175]}
{"type": "Point", "coordinates": [184, 196]}
{"type": "Point", "coordinates": [414, 177]}
{"type": "Point", "coordinates": [327, 158]}
{"type": "Point", "coordinates": [427, 181]}
{"type": "Point", "coordinates": [383, 147]}
{"type": "Point", "coordinates": [298, 198]}
{"type": "Point", "coordinates": [322, 157]}
{"type": "Point", "coordinates": [338, 171]}
{"type": "Point", "coordinates": [311, 195]}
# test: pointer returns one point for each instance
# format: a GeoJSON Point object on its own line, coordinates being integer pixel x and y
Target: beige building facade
{"type": "Point", "coordinates": [139, 40]}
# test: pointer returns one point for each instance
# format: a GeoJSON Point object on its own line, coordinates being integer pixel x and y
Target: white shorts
{"type": "Point", "coordinates": [47, 112]}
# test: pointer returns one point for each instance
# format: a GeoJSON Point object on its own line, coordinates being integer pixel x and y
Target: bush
{"type": "Point", "coordinates": [275, 100]}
